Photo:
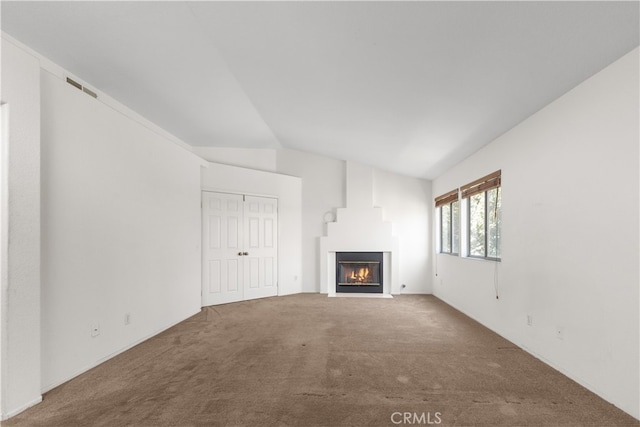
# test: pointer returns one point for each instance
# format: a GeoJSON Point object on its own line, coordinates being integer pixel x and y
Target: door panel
{"type": "Point", "coordinates": [215, 276]}
{"type": "Point", "coordinates": [261, 233]}
{"type": "Point", "coordinates": [232, 281]}
{"type": "Point", "coordinates": [269, 266]}
{"type": "Point", "coordinates": [214, 232]}
{"type": "Point", "coordinates": [223, 236]}
{"type": "Point", "coordinates": [254, 272]}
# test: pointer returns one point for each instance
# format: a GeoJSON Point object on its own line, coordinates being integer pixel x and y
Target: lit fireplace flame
{"type": "Point", "coordinates": [362, 276]}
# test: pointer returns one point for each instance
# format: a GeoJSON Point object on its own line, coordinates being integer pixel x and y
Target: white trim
{"type": "Point", "coordinates": [24, 407]}
{"type": "Point", "coordinates": [116, 353]}
{"type": "Point", "coordinates": [241, 193]}
{"type": "Point", "coordinates": [4, 245]}
{"type": "Point", "coordinates": [563, 371]}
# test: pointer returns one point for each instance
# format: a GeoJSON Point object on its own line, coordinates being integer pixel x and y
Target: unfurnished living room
{"type": "Point", "coordinates": [320, 213]}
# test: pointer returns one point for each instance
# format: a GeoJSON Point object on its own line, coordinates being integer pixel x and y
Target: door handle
{"type": "Point", "coordinates": [245, 253]}
{"type": "Point", "coordinates": [240, 254]}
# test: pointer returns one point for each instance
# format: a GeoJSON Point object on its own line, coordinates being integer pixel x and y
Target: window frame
{"type": "Point", "coordinates": [482, 186]}
{"type": "Point", "coordinates": [448, 199]}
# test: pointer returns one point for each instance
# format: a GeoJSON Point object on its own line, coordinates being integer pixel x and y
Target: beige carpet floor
{"type": "Point", "coordinates": [309, 360]}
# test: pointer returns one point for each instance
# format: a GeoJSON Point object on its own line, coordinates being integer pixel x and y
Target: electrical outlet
{"type": "Point", "coordinates": [529, 320]}
{"type": "Point", "coordinates": [560, 332]}
{"type": "Point", "coordinates": [95, 330]}
{"type": "Point", "coordinates": [127, 318]}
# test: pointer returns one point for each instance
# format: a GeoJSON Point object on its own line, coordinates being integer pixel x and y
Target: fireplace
{"type": "Point", "coordinates": [359, 228]}
{"type": "Point", "coordinates": [359, 272]}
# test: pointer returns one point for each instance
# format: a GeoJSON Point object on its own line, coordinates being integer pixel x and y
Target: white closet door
{"type": "Point", "coordinates": [222, 240]}
{"type": "Point", "coordinates": [239, 247]}
{"type": "Point", "coordinates": [260, 247]}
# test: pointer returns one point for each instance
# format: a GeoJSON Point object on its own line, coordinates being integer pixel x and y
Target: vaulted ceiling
{"type": "Point", "coordinates": [410, 87]}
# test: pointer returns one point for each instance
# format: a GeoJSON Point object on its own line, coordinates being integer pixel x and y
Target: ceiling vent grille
{"type": "Point", "coordinates": [89, 92]}
{"type": "Point", "coordinates": [74, 83]}
{"type": "Point", "coordinates": [82, 88]}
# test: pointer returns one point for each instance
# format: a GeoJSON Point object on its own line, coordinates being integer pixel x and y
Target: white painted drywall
{"type": "Point", "coordinates": [120, 231]}
{"type": "Point", "coordinates": [287, 189]}
{"type": "Point", "coordinates": [4, 225]}
{"type": "Point", "coordinates": [259, 159]}
{"type": "Point", "coordinates": [407, 203]}
{"type": "Point", "coordinates": [359, 186]}
{"type": "Point", "coordinates": [570, 241]}
{"type": "Point", "coordinates": [20, 292]}
{"type": "Point", "coordinates": [323, 190]}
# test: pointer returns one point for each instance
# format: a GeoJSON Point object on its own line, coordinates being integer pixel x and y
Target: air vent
{"type": "Point", "coordinates": [74, 83]}
{"type": "Point", "coordinates": [89, 92]}
{"type": "Point", "coordinates": [82, 88]}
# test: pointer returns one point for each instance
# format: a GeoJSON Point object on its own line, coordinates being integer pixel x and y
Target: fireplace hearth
{"type": "Point", "coordinates": [359, 272]}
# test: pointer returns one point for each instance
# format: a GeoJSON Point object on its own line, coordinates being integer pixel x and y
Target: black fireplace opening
{"type": "Point", "coordinates": [359, 272]}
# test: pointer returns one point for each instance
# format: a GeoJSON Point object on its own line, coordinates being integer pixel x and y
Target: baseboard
{"type": "Point", "coordinates": [100, 361]}
{"type": "Point", "coordinates": [24, 407]}
{"type": "Point", "coordinates": [543, 359]}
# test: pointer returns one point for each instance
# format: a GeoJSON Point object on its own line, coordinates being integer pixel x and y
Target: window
{"type": "Point", "coordinates": [449, 222]}
{"type": "Point", "coordinates": [484, 216]}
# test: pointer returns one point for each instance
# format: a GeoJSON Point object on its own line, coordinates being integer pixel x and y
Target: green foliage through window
{"type": "Point", "coordinates": [450, 228]}
{"type": "Point", "coordinates": [485, 219]}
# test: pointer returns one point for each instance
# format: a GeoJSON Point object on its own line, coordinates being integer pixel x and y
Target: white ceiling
{"type": "Point", "coordinates": [410, 87]}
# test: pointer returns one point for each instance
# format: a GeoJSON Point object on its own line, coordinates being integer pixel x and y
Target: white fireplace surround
{"type": "Point", "coordinates": [359, 228]}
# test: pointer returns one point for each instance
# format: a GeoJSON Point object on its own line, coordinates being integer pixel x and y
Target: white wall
{"type": "Point", "coordinates": [20, 291]}
{"type": "Point", "coordinates": [120, 231]}
{"type": "Point", "coordinates": [4, 224]}
{"type": "Point", "coordinates": [570, 239]}
{"type": "Point", "coordinates": [287, 189]}
{"type": "Point", "coordinates": [323, 190]}
{"type": "Point", "coordinates": [407, 203]}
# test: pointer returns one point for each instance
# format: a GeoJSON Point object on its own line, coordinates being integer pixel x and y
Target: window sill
{"type": "Point", "coordinates": [477, 258]}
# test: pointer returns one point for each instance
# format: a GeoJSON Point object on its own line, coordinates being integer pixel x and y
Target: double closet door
{"type": "Point", "coordinates": [240, 248]}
